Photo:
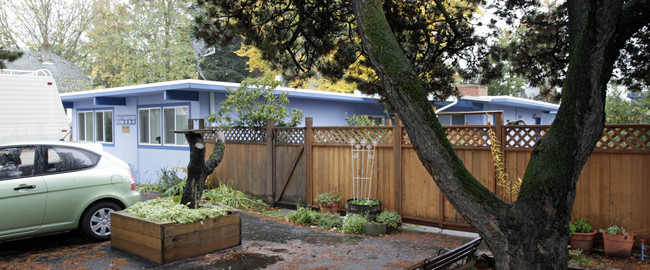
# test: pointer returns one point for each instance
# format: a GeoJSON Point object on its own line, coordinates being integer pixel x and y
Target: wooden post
{"type": "Point", "coordinates": [270, 161]}
{"type": "Point", "coordinates": [309, 122]}
{"type": "Point", "coordinates": [500, 131]}
{"type": "Point", "coordinates": [397, 154]}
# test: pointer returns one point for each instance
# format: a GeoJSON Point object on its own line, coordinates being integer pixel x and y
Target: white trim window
{"type": "Point", "coordinates": [95, 126]}
{"type": "Point", "coordinates": [104, 126]}
{"type": "Point", "coordinates": [175, 118]}
{"type": "Point", "coordinates": [85, 123]}
{"type": "Point", "coordinates": [149, 126]}
{"type": "Point", "coordinates": [454, 119]}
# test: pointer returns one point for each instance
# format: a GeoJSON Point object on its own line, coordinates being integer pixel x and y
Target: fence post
{"type": "Point", "coordinates": [397, 154]}
{"type": "Point", "coordinates": [309, 122]}
{"type": "Point", "coordinates": [270, 161]}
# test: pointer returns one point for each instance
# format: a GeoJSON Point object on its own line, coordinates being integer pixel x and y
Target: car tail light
{"type": "Point", "coordinates": [132, 180]}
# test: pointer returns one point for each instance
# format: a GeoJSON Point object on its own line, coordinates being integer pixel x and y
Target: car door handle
{"type": "Point", "coordinates": [25, 187]}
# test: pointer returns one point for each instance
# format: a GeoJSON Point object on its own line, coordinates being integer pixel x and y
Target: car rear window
{"type": "Point", "coordinates": [61, 159]}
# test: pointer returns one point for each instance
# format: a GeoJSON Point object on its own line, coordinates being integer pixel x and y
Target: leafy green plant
{"type": "Point", "coordinates": [359, 120]}
{"type": "Point", "coordinates": [327, 197]}
{"type": "Point", "coordinates": [365, 201]}
{"type": "Point", "coordinates": [614, 230]}
{"type": "Point", "coordinates": [166, 210]}
{"type": "Point", "coordinates": [328, 220]}
{"type": "Point", "coordinates": [576, 256]}
{"type": "Point", "coordinates": [169, 184]}
{"type": "Point", "coordinates": [253, 103]}
{"type": "Point", "coordinates": [390, 218]}
{"type": "Point", "coordinates": [228, 195]}
{"type": "Point", "coordinates": [303, 215]}
{"type": "Point", "coordinates": [580, 226]}
{"type": "Point", "coordinates": [354, 223]}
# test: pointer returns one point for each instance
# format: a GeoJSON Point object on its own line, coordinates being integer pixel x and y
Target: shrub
{"type": "Point", "coordinates": [303, 215]}
{"type": "Point", "coordinates": [170, 183]}
{"type": "Point", "coordinates": [359, 120]}
{"type": "Point", "coordinates": [329, 220]}
{"type": "Point", "coordinates": [580, 226]}
{"type": "Point", "coordinates": [390, 218]}
{"type": "Point", "coordinates": [353, 223]}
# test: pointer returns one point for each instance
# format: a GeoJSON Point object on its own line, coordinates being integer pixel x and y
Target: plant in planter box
{"type": "Point", "coordinates": [618, 242]}
{"type": "Point", "coordinates": [582, 235]}
{"type": "Point", "coordinates": [392, 220]}
{"type": "Point", "coordinates": [328, 202]}
{"type": "Point", "coordinates": [175, 231]}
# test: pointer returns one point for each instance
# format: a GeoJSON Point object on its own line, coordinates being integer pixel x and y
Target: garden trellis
{"type": "Point", "coordinates": [363, 161]}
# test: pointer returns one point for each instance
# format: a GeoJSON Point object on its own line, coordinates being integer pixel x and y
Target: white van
{"type": "Point", "coordinates": [30, 107]}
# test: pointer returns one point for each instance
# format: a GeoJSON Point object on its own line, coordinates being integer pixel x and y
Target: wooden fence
{"type": "Point", "coordinates": [283, 167]}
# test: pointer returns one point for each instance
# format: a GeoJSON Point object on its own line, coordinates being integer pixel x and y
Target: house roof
{"type": "Point", "coordinates": [207, 86]}
{"type": "Point", "coordinates": [69, 77]}
{"type": "Point", "coordinates": [192, 85]}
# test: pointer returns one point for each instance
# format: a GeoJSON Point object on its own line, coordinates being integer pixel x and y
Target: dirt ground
{"type": "Point", "coordinates": [266, 244]}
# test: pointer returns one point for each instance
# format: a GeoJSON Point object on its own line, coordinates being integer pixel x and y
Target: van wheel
{"type": "Point", "coordinates": [96, 220]}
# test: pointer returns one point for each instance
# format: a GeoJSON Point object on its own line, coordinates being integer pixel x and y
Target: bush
{"type": "Point", "coordinates": [328, 220]}
{"type": "Point", "coordinates": [353, 223]}
{"type": "Point", "coordinates": [168, 185]}
{"type": "Point", "coordinates": [580, 226]}
{"type": "Point", "coordinates": [327, 197]}
{"type": "Point", "coordinates": [390, 218]}
{"type": "Point", "coordinates": [303, 215]}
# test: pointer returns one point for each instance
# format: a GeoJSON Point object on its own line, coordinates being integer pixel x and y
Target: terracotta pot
{"type": "Point", "coordinates": [618, 246]}
{"type": "Point", "coordinates": [583, 241]}
{"type": "Point", "coordinates": [332, 207]}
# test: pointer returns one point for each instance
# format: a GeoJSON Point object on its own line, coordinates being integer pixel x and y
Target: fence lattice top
{"type": "Point", "coordinates": [342, 135]}
{"type": "Point", "coordinates": [615, 137]}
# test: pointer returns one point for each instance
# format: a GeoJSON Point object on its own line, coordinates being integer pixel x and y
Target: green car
{"type": "Point", "coordinates": [52, 187]}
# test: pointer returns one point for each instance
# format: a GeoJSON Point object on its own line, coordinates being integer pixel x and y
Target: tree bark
{"type": "Point", "coordinates": [531, 233]}
{"type": "Point", "coordinates": [198, 169]}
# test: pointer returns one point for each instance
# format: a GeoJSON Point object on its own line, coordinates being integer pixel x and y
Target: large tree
{"type": "Point", "coordinates": [137, 42]}
{"type": "Point", "coordinates": [26, 24]}
{"type": "Point", "coordinates": [533, 231]}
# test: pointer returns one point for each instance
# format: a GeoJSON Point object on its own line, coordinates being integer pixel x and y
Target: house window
{"type": "Point", "coordinates": [446, 120]}
{"type": "Point", "coordinates": [175, 118]}
{"type": "Point", "coordinates": [95, 126]}
{"type": "Point", "coordinates": [157, 125]}
{"type": "Point", "coordinates": [104, 126]}
{"type": "Point", "coordinates": [149, 126]}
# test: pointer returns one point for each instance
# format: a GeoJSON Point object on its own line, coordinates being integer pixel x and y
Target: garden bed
{"type": "Point", "coordinates": [164, 242]}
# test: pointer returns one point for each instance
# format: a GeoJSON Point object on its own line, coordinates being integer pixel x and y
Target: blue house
{"type": "Point", "coordinates": [136, 122]}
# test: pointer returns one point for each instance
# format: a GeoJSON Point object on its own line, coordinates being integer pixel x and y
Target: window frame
{"type": "Point", "coordinates": [93, 125]}
{"type": "Point", "coordinates": [163, 108]}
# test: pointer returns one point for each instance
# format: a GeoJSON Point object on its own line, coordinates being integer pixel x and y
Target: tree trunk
{"type": "Point", "coordinates": [531, 233]}
{"type": "Point", "coordinates": [198, 169]}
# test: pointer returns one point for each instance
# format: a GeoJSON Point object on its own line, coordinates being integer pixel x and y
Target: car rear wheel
{"type": "Point", "coordinates": [96, 220]}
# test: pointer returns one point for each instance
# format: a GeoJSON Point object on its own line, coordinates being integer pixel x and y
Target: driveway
{"type": "Point", "coordinates": [267, 243]}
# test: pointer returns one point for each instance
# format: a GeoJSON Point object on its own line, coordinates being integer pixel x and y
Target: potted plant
{"type": "Point", "coordinates": [582, 235]}
{"type": "Point", "coordinates": [328, 202]}
{"type": "Point", "coordinates": [618, 242]}
{"type": "Point", "coordinates": [370, 208]}
{"type": "Point", "coordinates": [392, 220]}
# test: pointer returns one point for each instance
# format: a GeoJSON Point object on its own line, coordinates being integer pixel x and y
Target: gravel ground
{"type": "Point", "coordinates": [267, 243]}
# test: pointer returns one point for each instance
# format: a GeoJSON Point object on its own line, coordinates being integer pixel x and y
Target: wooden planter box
{"type": "Point", "coordinates": [167, 241]}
